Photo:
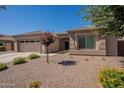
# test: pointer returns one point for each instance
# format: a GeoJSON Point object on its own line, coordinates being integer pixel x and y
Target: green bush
{"type": "Point", "coordinates": [34, 84]}
{"type": "Point", "coordinates": [103, 59]}
{"type": "Point", "coordinates": [3, 66]}
{"type": "Point", "coordinates": [111, 78]}
{"type": "Point", "coordinates": [19, 60]}
{"type": "Point", "coordinates": [2, 48]}
{"type": "Point", "coordinates": [33, 56]}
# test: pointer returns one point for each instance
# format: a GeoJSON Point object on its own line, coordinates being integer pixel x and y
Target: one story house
{"type": "Point", "coordinates": [79, 41]}
{"type": "Point", "coordinates": [7, 41]}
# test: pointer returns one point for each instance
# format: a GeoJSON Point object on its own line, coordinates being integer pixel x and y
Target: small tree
{"type": "Point", "coordinates": [47, 38]}
{"type": "Point", "coordinates": [108, 19]}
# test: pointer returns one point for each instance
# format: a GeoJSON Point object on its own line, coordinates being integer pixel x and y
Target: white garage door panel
{"type": "Point", "coordinates": [30, 47]}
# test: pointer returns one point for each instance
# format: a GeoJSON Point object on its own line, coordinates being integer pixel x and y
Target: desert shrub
{"type": "Point", "coordinates": [33, 56]}
{"type": "Point", "coordinates": [103, 59]}
{"type": "Point", "coordinates": [86, 59]}
{"type": "Point", "coordinates": [19, 60]}
{"type": "Point", "coordinates": [2, 48]}
{"type": "Point", "coordinates": [111, 78]}
{"type": "Point", "coordinates": [3, 66]}
{"type": "Point", "coordinates": [34, 84]}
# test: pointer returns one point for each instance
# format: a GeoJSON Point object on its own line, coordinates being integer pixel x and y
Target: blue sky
{"type": "Point", "coordinates": [20, 19]}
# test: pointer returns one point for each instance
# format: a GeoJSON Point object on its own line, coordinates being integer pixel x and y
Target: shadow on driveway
{"type": "Point", "coordinates": [67, 62]}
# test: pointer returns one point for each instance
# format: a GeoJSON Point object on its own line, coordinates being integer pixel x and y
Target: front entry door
{"type": "Point", "coordinates": [120, 48]}
{"type": "Point", "coordinates": [66, 45]}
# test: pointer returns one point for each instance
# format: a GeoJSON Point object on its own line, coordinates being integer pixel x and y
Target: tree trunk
{"type": "Point", "coordinates": [47, 55]}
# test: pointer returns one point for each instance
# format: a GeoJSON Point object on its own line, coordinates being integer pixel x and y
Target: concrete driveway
{"type": "Point", "coordinates": [9, 56]}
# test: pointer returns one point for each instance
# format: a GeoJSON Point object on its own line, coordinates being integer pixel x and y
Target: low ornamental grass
{"type": "Point", "coordinates": [33, 56]}
{"type": "Point", "coordinates": [3, 66]}
{"type": "Point", "coordinates": [103, 59]}
{"type": "Point", "coordinates": [34, 84]}
{"type": "Point", "coordinates": [86, 59]}
{"type": "Point", "coordinates": [2, 48]}
{"type": "Point", "coordinates": [111, 78]}
{"type": "Point", "coordinates": [19, 60]}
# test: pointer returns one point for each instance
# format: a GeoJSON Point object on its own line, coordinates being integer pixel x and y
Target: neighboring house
{"type": "Point", "coordinates": [80, 41]}
{"type": "Point", "coordinates": [7, 41]}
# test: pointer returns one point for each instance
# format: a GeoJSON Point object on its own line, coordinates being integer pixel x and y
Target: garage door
{"type": "Point", "coordinates": [30, 46]}
{"type": "Point", "coordinates": [120, 48]}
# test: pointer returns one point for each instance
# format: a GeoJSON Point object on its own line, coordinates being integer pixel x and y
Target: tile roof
{"type": "Point", "coordinates": [81, 28]}
{"type": "Point", "coordinates": [37, 32]}
{"type": "Point", "coordinates": [6, 38]}
{"type": "Point", "coordinates": [62, 33]}
{"type": "Point", "coordinates": [29, 33]}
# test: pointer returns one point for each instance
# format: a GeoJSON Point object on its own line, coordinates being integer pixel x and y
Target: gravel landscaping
{"type": "Point", "coordinates": [63, 71]}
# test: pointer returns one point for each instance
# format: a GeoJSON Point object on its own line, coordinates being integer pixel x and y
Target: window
{"type": "Point", "coordinates": [86, 42]}
{"type": "Point", "coordinates": [32, 41]}
{"type": "Point", "coordinates": [26, 41]}
{"type": "Point", "coordinates": [37, 41]}
{"type": "Point", "coordinates": [22, 41]}
{"type": "Point", "coordinates": [81, 42]}
{"type": "Point", "coordinates": [1, 44]}
{"type": "Point", "coordinates": [90, 42]}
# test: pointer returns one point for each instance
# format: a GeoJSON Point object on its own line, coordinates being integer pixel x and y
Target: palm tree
{"type": "Point", "coordinates": [47, 38]}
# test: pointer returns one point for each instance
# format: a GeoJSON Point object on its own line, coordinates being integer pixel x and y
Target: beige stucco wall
{"type": "Point", "coordinates": [73, 42]}
{"type": "Point", "coordinates": [111, 47]}
{"type": "Point", "coordinates": [16, 46]}
{"type": "Point", "coordinates": [9, 45]}
{"type": "Point", "coordinates": [53, 47]}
